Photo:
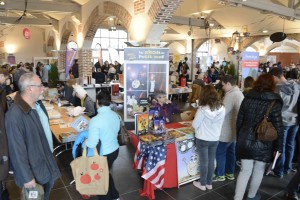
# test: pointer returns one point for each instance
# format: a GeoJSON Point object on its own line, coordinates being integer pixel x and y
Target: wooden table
{"type": "Point", "coordinates": [57, 130]}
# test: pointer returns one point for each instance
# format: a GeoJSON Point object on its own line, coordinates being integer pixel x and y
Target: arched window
{"type": "Point", "coordinates": [109, 39]}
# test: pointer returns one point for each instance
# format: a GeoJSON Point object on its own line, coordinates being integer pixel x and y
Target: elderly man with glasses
{"type": "Point", "coordinates": [29, 137]}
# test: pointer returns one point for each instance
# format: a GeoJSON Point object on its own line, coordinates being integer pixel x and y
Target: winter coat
{"type": "Point", "coordinates": [251, 113]}
{"type": "Point", "coordinates": [4, 162]}
{"type": "Point", "coordinates": [208, 123]}
{"type": "Point", "coordinates": [289, 92]}
{"type": "Point", "coordinates": [29, 150]}
{"type": "Point", "coordinates": [232, 101]}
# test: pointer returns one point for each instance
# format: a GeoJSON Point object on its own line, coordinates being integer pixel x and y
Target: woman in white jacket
{"type": "Point", "coordinates": [207, 124]}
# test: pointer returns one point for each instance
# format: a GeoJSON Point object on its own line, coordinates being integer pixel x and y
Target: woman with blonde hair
{"type": "Point", "coordinates": [207, 124]}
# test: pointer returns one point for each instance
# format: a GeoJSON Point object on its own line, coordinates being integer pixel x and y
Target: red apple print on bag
{"type": "Point", "coordinates": [94, 166]}
{"type": "Point", "coordinates": [97, 176]}
{"type": "Point", "coordinates": [85, 179]}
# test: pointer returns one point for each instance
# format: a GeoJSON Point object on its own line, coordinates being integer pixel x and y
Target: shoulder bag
{"type": "Point", "coordinates": [91, 174]}
{"type": "Point", "coordinates": [265, 130]}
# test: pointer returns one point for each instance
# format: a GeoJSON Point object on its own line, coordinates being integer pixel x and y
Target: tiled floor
{"type": "Point", "coordinates": [128, 182]}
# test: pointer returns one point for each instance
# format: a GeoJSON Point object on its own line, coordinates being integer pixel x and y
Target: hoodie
{"type": "Point", "coordinates": [289, 92]}
{"type": "Point", "coordinates": [208, 124]}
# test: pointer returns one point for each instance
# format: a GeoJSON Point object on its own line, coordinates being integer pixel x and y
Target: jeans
{"type": "Point", "coordinates": [47, 189]}
{"type": "Point", "coordinates": [225, 157]}
{"type": "Point", "coordinates": [249, 168]}
{"type": "Point", "coordinates": [3, 191]}
{"type": "Point", "coordinates": [284, 163]}
{"type": "Point", "coordinates": [112, 191]}
{"type": "Point", "coordinates": [207, 154]}
{"type": "Point", "coordinates": [294, 183]}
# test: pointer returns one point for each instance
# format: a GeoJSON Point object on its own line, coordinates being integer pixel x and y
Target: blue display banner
{"type": "Point", "coordinates": [250, 56]}
{"type": "Point", "coordinates": [136, 54]}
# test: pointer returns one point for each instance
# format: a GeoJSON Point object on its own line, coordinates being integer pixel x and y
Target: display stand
{"type": "Point", "coordinates": [146, 70]}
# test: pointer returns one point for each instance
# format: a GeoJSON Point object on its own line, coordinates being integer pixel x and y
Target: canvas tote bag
{"type": "Point", "coordinates": [91, 174]}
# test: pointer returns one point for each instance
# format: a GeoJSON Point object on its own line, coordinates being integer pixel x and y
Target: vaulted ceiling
{"type": "Point", "coordinates": [193, 19]}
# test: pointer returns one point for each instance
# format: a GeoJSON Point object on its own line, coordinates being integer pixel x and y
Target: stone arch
{"type": "Point", "coordinates": [180, 44]}
{"type": "Point", "coordinates": [277, 44]}
{"type": "Point", "coordinates": [248, 41]}
{"type": "Point", "coordinates": [161, 11]}
{"type": "Point", "coordinates": [98, 15]}
{"type": "Point", "coordinates": [198, 43]}
{"type": "Point", "coordinates": [66, 31]}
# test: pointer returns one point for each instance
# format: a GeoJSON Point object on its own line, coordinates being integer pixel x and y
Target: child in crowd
{"type": "Point", "coordinates": [207, 124]}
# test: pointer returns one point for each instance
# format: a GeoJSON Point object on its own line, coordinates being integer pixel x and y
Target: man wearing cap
{"type": "Point", "coordinates": [29, 137]}
{"type": "Point", "coordinates": [4, 163]}
{"type": "Point", "coordinates": [85, 100]}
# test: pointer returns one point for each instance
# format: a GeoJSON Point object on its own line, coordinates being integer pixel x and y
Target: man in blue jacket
{"type": "Point", "coordinates": [29, 137]}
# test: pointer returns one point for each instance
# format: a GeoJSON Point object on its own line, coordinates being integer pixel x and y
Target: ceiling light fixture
{"type": "Point", "coordinates": [2, 3]}
{"type": "Point", "coordinates": [265, 31]}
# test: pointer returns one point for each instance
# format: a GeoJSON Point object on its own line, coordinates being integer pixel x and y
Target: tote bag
{"type": "Point", "coordinates": [91, 174]}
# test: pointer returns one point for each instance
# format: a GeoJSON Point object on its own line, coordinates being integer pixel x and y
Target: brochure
{"type": "Point", "coordinates": [80, 124]}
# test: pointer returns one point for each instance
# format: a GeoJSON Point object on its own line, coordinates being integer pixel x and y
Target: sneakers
{"type": "Point", "coordinates": [257, 197]}
{"type": "Point", "coordinates": [209, 187]}
{"type": "Point", "coordinates": [291, 196]}
{"type": "Point", "coordinates": [219, 178]}
{"type": "Point", "coordinates": [198, 185]}
{"type": "Point", "coordinates": [272, 173]}
{"type": "Point", "coordinates": [230, 177]}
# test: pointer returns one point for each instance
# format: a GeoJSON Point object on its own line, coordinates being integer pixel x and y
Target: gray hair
{"type": "Point", "coordinates": [25, 81]}
{"type": "Point", "coordinates": [159, 92]}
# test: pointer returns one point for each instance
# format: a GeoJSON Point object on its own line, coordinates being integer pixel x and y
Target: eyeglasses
{"type": "Point", "coordinates": [40, 86]}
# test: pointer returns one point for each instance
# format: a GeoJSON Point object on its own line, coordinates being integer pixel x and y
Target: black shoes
{"type": "Point", "coordinates": [291, 196]}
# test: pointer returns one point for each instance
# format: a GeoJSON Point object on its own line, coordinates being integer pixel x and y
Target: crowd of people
{"type": "Point", "coordinates": [106, 72]}
{"type": "Point", "coordinates": [25, 135]}
{"type": "Point", "coordinates": [226, 131]}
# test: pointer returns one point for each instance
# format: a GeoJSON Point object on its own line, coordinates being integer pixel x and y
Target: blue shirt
{"type": "Point", "coordinates": [104, 127]}
{"type": "Point", "coordinates": [45, 123]}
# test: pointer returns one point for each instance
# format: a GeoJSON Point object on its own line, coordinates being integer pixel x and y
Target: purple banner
{"type": "Point", "coordinates": [70, 55]}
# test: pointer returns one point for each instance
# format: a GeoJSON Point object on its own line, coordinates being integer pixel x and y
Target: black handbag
{"type": "Point", "coordinates": [265, 130]}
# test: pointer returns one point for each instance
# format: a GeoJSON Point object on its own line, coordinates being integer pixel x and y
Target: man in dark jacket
{"type": "Point", "coordinates": [30, 138]}
{"type": "Point", "coordinates": [4, 163]}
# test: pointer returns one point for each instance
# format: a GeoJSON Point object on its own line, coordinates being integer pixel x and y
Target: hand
{"type": "Point", "coordinates": [79, 140]}
{"type": "Point", "coordinates": [30, 184]}
{"type": "Point", "coordinates": [90, 152]}
{"type": "Point", "coordinates": [168, 101]}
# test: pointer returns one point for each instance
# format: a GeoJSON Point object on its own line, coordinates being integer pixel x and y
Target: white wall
{"type": "Point", "coordinates": [24, 49]}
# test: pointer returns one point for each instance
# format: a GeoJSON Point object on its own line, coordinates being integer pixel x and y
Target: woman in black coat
{"type": "Point", "coordinates": [253, 153]}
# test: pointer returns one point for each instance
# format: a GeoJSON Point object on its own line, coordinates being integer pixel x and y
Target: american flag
{"type": "Point", "coordinates": [155, 157]}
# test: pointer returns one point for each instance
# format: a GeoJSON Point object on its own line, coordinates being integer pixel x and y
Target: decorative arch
{"type": "Point", "coordinates": [108, 9]}
{"type": "Point", "coordinates": [198, 43]}
{"type": "Point", "coordinates": [275, 45]}
{"type": "Point", "coordinates": [248, 41]}
{"type": "Point", "coordinates": [66, 31]}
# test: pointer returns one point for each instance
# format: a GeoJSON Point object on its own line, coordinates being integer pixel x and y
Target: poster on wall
{"type": "Point", "coordinates": [250, 63]}
{"type": "Point", "coordinates": [188, 164]}
{"type": "Point", "coordinates": [146, 70]}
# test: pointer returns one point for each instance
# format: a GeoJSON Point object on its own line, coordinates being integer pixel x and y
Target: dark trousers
{"type": "Point", "coordinates": [3, 192]}
{"type": "Point", "coordinates": [112, 191]}
{"type": "Point", "coordinates": [47, 189]}
{"type": "Point", "coordinates": [294, 183]}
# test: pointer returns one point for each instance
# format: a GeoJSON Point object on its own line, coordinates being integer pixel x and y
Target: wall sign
{"type": "Point", "coordinates": [26, 33]}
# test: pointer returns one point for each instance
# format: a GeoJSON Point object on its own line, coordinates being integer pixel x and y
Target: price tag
{"type": "Point", "coordinates": [33, 194]}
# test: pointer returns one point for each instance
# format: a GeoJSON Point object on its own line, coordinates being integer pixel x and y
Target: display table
{"type": "Point", "coordinates": [57, 129]}
{"type": "Point", "coordinates": [170, 171]}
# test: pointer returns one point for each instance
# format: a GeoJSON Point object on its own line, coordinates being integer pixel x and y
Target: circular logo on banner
{"type": "Point", "coordinates": [26, 33]}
